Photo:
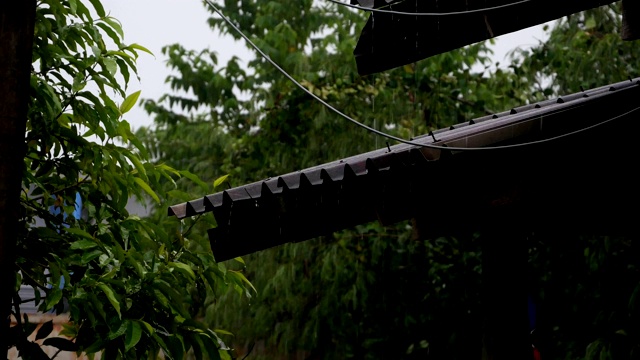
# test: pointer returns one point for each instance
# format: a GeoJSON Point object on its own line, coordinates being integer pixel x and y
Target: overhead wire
{"type": "Point", "coordinates": [394, 12]}
{"type": "Point", "coordinates": [392, 137]}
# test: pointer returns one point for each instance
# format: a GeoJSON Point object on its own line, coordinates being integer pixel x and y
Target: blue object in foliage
{"type": "Point", "coordinates": [77, 212]}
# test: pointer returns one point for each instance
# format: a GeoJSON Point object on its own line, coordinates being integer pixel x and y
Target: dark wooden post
{"type": "Point", "coordinates": [504, 270]}
{"type": "Point", "coordinates": [630, 20]}
{"type": "Point", "coordinates": [16, 38]}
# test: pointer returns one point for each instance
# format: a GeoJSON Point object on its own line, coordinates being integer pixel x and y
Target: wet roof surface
{"type": "Point", "coordinates": [392, 40]}
{"type": "Point", "coordinates": [385, 184]}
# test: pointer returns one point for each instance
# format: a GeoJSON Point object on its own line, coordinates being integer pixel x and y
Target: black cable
{"type": "Point", "coordinates": [465, 12]}
{"type": "Point", "coordinates": [392, 137]}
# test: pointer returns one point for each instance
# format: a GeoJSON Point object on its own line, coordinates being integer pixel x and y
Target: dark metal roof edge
{"type": "Point", "coordinates": [360, 164]}
{"type": "Point", "coordinates": [373, 56]}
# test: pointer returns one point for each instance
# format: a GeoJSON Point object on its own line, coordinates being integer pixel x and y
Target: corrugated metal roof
{"type": "Point", "coordinates": [390, 40]}
{"type": "Point", "coordinates": [404, 181]}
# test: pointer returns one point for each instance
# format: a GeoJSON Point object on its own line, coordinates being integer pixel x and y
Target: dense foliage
{"type": "Point", "coordinates": [587, 286]}
{"type": "Point", "coordinates": [132, 287]}
{"type": "Point", "coordinates": [358, 292]}
{"type": "Point", "coordinates": [374, 292]}
{"type": "Point", "coordinates": [136, 287]}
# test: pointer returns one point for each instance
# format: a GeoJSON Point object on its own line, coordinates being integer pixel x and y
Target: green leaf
{"type": "Point", "coordinates": [197, 346]}
{"type": "Point", "coordinates": [163, 346]}
{"type": "Point", "coordinates": [95, 347]}
{"type": "Point", "coordinates": [180, 195]}
{"type": "Point", "coordinates": [124, 69]}
{"type": "Point", "coordinates": [124, 130]}
{"type": "Point", "coordinates": [79, 232]}
{"type": "Point", "coordinates": [18, 282]}
{"type": "Point", "coordinates": [174, 298]}
{"type": "Point", "coordinates": [112, 68]}
{"type": "Point", "coordinates": [133, 335]}
{"type": "Point", "coordinates": [129, 102]}
{"type": "Point", "coordinates": [161, 298]}
{"type": "Point", "coordinates": [65, 119]}
{"type": "Point", "coordinates": [224, 355]}
{"type": "Point", "coordinates": [220, 180]}
{"type": "Point", "coordinates": [115, 24]}
{"type": "Point", "coordinates": [147, 189]}
{"type": "Point", "coordinates": [210, 347]}
{"type": "Point", "coordinates": [119, 332]}
{"type": "Point", "coordinates": [149, 329]}
{"type": "Point", "coordinates": [135, 263]}
{"type": "Point", "coordinates": [112, 34]}
{"type": "Point", "coordinates": [223, 332]}
{"type": "Point", "coordinates": [69, 330]}
{"type": "Point", "coordinates": [83, 244]}
{"type": "Point", "coordinates": [141, 48]}
{"type": "Point", "coordinates": [138, 144]}
{"type": "Point", "coordinates": [175, 343]}
{"type": "Point", "coordinates": [195, 179]}
{"type": "Point", "coordinates": [165, 167]}
{"type": "Point", "coordinates": [82, 11]}
{"type": "Point", "coordinates": [45, 330]}
{"type": "Point", "coordinates": [106, 289]}
{"type": "Point", "coordinates": [73, 6]}
{"type": "Point", "coordinates": [184, 268]}
{"type": "Point", "coordinates": [242, 278]}
{"type": "Point", "coordinates": [142, 172]}
{"type": "Point", "coordinates": [88, 256]}
{"type": "Point", "coordinates": [96, 52]}
{"type": "Point", "coordinates": [98, 6]}
{"type": "Point", "coordinates": [79, 82]}
{"type": "Point", "coordinates": [53, 298]}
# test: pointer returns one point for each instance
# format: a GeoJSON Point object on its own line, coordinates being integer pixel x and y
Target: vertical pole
{"type": "Point", "coordinates": [630, 20]}
{"type": "Point", "coordinates": [504, 271]}
{"type": "Point", "coordinates": [16, 38]}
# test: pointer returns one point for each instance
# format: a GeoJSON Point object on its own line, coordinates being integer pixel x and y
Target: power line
{"type": "Point", "coordinates": [392, 137]}
{"type": "Point", "coordinates": [465, 12]}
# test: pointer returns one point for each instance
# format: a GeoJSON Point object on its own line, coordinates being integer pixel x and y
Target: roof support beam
{"type": "Point", "coordinates": [504, 272]}
{"type": "Point", "coordinates": [392, 40]}
{"type": "Point", "coordinates": [631, 19]}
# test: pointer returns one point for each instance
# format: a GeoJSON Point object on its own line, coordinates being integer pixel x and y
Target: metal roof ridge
{"type": "Point", "coordinates": [381, 158]}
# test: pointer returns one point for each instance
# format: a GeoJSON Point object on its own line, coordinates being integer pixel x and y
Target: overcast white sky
{"type": "Point", "coordinates": [156, 23]}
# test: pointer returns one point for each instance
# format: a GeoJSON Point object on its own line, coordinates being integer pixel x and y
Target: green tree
{"type": "Point", "coordinates": [347, 295]}
{"type": "Point", "coordinates": [373, 292]}
{"type": "Point", "coordinates": [132, 287]}
{"type": "Point", "coordinates": [584, 50]}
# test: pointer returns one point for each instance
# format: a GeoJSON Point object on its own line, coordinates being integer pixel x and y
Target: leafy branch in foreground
{"type": "Point", "coordinates": [131, 288]}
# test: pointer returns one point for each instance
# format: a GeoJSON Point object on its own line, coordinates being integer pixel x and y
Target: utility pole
{"type": "Point", "coordinates": [17, 19]}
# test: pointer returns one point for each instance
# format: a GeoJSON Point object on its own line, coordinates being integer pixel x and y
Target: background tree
{"type": "Point", "coordinates": [132, 287]}
{"type": "Point", "coordinates": [583, 50]}
{"type": "Point", "coordinates": [353, 294]}
{"type": "Point", "coordinates": [374, 292]}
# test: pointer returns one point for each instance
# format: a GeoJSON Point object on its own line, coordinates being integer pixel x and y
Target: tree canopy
{"type": "Point", "coordinates": [132, 287]}
{"type": "Point", "coordinates": [137, 287]}
{"type": "Point", "coordinates": [376, 292]}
